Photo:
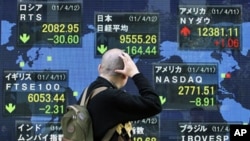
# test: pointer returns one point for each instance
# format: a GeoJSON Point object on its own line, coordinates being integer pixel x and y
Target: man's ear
{"type": "Point", "coordinates": [124, 76]}
{"type": "Point", "coordinates": [99, 68]}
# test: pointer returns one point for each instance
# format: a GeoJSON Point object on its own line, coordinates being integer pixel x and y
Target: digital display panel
{"type": "Point", "coordinates": [146, 129]}
{"type": "Point", "coordinates": [184, 86]}
{"type": "Point", "coordinates": [136, 33]}
{"type": "Point", "coordinates": [38, 130]}
{"type": "Point", "coordinates": [204, 131]}
{"type": "Point", "coordinates": [37, 23]}
{"type": "Point", "coordinates": [40, 93]}
{"type": "Point", "coordinates": [202, 27]}
{"type": "Point", "coordinates": [195, 53]}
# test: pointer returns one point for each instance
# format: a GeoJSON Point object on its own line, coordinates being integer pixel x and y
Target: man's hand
{"type": "Point", "coordinates": [130, 69]}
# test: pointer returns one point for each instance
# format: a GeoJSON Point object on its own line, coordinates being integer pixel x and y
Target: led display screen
{"type": "Point", "coordinates": [195, 53]}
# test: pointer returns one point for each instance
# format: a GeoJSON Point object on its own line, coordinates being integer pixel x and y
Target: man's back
{"type": "Point", "coordinates": [114, 106]}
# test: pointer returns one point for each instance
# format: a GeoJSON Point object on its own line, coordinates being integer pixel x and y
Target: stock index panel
{"type": "Point", "coordinates": [48, 23]}
{"type": "Point", "coordinates": [136, 33]}
{"type": "Point", "coordinates": [210, 27]}
{"type": "Point", "coordinates": [43, 92]}
{"type": "Point", "coordinates": [187, 85]}
{"type": "Point", "coordinates": [195, 54]}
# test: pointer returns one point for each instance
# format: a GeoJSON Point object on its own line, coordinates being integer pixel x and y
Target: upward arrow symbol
{"type": "Point", "coordinates": [185, 31]}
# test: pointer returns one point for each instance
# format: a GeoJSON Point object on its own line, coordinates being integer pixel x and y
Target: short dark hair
{"type": "Point", "coordinates": [112, 61]}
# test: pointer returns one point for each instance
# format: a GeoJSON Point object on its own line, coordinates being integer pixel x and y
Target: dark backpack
{"type": "Point", "coordinates": [76, 122]}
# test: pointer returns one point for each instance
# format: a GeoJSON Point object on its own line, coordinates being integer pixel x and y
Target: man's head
{"type": "Point", "coordinates": [110, 62]}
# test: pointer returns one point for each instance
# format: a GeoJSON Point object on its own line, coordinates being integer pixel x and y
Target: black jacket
{"type": "Point", "coordinates": [113, 106]}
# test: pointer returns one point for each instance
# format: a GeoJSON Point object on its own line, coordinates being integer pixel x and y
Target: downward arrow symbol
{"type": "Point", "coordinates": [102, 48]}
{"type": "Point", "coordinates": [10, 107]}
{"type": "Point", "coordinates": [162, 99]}
{"type": "Point", "coordinates": [24, 38]}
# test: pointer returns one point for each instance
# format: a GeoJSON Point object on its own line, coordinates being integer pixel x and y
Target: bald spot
{"type": "Point", "coordinates": [111, 61]}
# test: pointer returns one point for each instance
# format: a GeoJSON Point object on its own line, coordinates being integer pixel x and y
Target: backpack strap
{"type": "Point", "coordinates": [84, 96]}
{"type": "Point", "coordinates": [109, 134]}
{"type": "Point", "coordinates": [119, 129]}
{"type": "Point", "coordinates": [85, 99]}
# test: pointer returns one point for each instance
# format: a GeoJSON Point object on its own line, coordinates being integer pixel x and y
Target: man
{"type": "Point", "coordinates": [113, 105]}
